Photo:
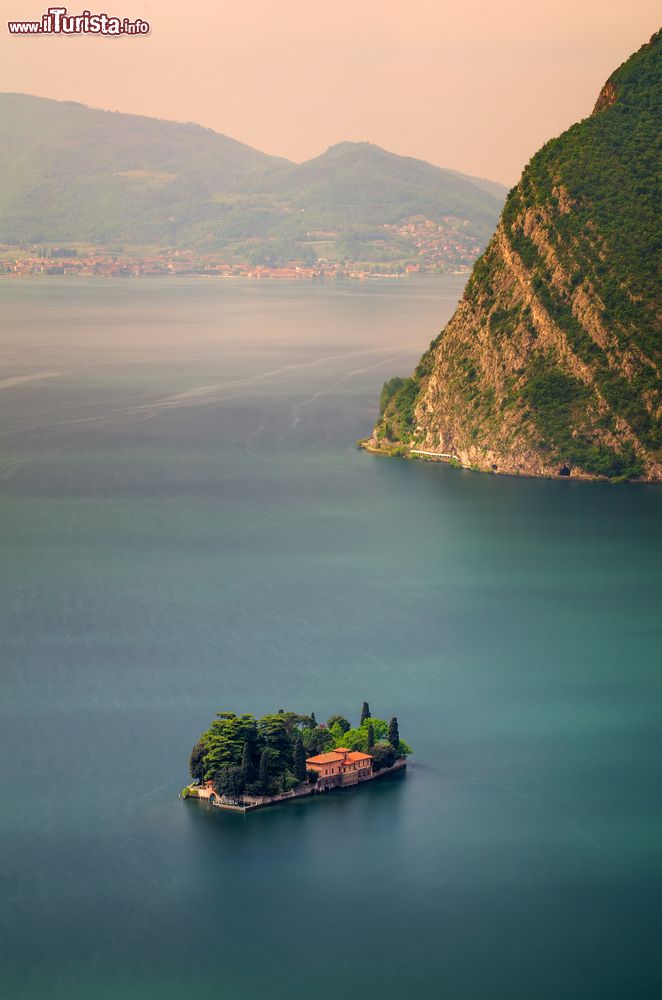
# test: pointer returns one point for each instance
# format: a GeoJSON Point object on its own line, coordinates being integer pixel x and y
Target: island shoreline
{"type": "Point", "coordinates": [303, 792]}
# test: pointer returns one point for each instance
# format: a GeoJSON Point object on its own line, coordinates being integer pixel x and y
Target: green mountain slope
{"type": "Point", "coordinates": [69, 173]}
{"type": "Point", "coordinates": [357, 183]}
{"type": "Point", "coordinates": [551, 362]}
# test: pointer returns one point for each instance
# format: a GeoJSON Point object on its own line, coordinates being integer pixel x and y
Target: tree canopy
{"type": "Point", "coordinates": [242, 754]}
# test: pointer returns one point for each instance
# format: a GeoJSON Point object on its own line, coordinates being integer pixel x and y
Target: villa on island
{"type": "Point", "coordinates": [242, 763]}
{"type": "Point", "coordinates": [340, 767]}
{"type": "Point", "coordinates": [336, 769]}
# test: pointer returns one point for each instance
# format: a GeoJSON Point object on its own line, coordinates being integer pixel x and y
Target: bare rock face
{"type": "Point", "coordinates": [606, 97]}
{"type": "Point", "coordinates": [550, 365]}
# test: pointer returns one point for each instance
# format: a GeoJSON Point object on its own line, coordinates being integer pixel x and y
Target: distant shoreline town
{"type": "Point", "coordinates": [429, 248]}
{"type": "Point", "coordinates": [108, 265]}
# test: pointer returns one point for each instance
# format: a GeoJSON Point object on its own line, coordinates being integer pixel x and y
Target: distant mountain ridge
{"type": "Point", "coordinates": [360, 182]}
{"type": "Point", "coordinates": [551, 364]}
{"type": "Point", "coordinates": [71, 173]}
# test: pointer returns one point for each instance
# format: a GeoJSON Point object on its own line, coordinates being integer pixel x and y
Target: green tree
{"type": "Point", "coordinates": [383, 755]}
{"type": "Point", "coordinates": [272, 732]}
{"type": "Point", "coordinates": [264, 773]}
{"type": "Point", "coordinates": [247, 764]}
{"type": "Point", "coordinates": [316, 740]}
{"type": "Point", "coordinates": [299, 759]}
{"type": "Point", "coordinates": [225, 740]}
{"type": "Point", "coordinates": [338, 734]}
{"type": "Point", "coordinates": [229, 782]}
{"type": "Point", "coordinates": [293, 721]}
{"type": "Point", "coordinates": [365, 712]}
{"type": "Point", "coordinates": [370, 742]}
{"type": "Point", "coordinates": [357, 739]}
{"type": "Point", "coordinates": [290, 781]}
{"type": "Point", "coordinates": [234, 784]}
{"type": "Point", "coordinates": [379, 726]}
{"type": "Point", "coordinates": [197, 761]}
{"type": "Point", "coordinates": [394, 734]}
{"type": "Point", "coordinates": [338, 720]}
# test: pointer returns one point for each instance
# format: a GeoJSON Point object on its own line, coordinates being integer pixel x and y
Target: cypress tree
{"type": "Point", "coordinates": [394, 734]}
{"type": "Point", "coordinates": [247, 765]}
{"type": "Point", "coordinates": [371, 737]}
{"type": "Point", "coordinates": [263, 776]}
{"type": "Point", "coordinates": [299, 759]}
{"type": "Point", "coordinates": [365, 712]}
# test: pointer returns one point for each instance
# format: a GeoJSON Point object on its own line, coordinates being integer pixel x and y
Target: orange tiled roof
{"type": "Point", "coordinates": [336, 757]}
{"type": "Point", "coordinates": [325, 758]}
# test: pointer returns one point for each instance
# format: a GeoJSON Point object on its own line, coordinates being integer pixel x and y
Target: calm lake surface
{"type": "Point", "coordinates": [187, 528]}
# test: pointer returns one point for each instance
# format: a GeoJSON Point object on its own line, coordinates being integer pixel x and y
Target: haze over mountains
{"type": "Point", "coordinates": [551, 362]}
{"type": "Point", "coordinates": [69, 173]}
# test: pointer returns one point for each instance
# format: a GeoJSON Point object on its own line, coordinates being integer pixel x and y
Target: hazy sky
{"type": "Point", "coordinates": [477, 86]}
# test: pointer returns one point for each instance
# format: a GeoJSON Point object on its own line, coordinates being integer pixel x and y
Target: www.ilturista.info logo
{"type": "Point", "coordinates": [56, 21]}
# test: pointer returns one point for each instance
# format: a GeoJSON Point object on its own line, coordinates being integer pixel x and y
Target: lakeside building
{"type": "Point", "coordinates": [340, 767]}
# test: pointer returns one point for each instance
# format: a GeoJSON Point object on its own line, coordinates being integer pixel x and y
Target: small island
{"type": "Point", "coordinates": [242, 763]}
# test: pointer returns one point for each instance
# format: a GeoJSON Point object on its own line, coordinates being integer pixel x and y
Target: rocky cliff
{"type": "Point", "coordinates": [551, 363]}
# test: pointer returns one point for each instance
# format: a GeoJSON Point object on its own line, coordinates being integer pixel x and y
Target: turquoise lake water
{"type": "Point", "coordinates": [186, 528]}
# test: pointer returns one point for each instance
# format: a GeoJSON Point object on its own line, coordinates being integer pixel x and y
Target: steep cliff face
{"type": "Point", "coordinates": [551, 362]}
